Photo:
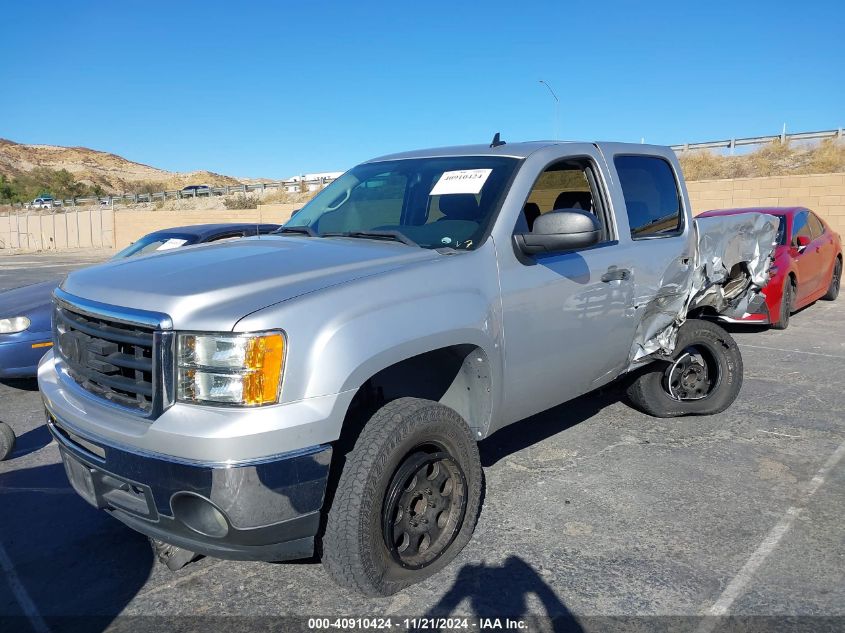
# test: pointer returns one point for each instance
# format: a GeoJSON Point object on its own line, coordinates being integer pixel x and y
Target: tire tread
{"type": "Point", "coordinates": [354, 497]}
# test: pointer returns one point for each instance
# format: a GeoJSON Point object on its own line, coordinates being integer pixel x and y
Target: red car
{"type": "Point", "coordinates": [807, 265]}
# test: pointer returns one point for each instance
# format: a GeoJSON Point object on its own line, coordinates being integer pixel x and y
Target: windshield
{"type": "Point", "coordinates": [156, 242]}
{"type": "Point", "coordinates": [434, 202]}
{"type": "Point", "coordinates": [781, 230]}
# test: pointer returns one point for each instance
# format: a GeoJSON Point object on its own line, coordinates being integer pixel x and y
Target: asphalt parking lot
{"type": "Point", "coordinates": [591, 509]}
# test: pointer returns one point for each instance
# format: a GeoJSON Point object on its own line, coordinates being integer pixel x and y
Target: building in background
{"type": "Point", "coordinates": [313, 182]}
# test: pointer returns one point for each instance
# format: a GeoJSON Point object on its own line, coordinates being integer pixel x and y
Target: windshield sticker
{"type": "Point", "coordinates": [171, 243]}
{"type": "Point", "coordinates": [463, 181]}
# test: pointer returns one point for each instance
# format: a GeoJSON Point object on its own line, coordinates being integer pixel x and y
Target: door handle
{"type": "Point", "coordinates": [616, 274]}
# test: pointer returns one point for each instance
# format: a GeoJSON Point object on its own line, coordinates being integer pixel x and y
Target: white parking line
{"type": "Point", "coordinates": [21, 594]}
{"type": "Point", "coordinates": [793, 351]}
{"type": "Point", "coordinates": [737, 586]}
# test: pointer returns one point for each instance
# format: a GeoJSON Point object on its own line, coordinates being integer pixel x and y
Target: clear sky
{"type": "Point", "coordinates": [275, 89]}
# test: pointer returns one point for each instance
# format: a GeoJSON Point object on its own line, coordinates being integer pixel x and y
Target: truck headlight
{"type": "Point", "coordinates": [238, 369]}
{"type": "Point", "coordinates": [14, 325]}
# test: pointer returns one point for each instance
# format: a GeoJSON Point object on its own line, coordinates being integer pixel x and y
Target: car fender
{"type": "Point", "coordinates": [419, 308]}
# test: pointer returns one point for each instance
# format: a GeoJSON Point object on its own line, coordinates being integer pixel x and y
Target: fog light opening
{"type": "Point", "coordinates": [200, 515]}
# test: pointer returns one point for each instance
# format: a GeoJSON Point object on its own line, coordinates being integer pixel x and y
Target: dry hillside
{"type": "Point", "coordinates": [775, 159]}
{"type": "Point", "coordinates": [113, 173]}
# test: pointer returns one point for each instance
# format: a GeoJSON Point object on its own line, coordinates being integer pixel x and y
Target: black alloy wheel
{"type": "Point", "coordinates": [424, 508]}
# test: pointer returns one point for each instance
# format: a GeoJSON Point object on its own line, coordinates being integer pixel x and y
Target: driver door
{"type": "Point", "coordinates": [807, 258]}
{"type": "Point", "coordinates": [567, 317]}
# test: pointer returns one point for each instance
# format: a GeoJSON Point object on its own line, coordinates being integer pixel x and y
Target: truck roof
{"type": "Point", "coordinates": [514, 150]}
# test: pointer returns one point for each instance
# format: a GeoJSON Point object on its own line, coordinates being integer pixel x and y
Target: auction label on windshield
{"type": "Point", "coordinates": [462, 181]}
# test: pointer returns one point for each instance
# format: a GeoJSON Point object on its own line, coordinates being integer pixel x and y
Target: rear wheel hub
{"type": "Point", "coordinates": [690, 377]}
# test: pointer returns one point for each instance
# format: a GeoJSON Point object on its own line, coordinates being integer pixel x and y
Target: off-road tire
{"type": "Point", "coordinates": [786, 302]}
{"type": "Point", "coordinates": [354, 552]}
{"type": "Point", "coordinates": [835, 281]}
{"type": "Point", "coordinates": [647, 391]}
{"type": "Point", "coordinates": [7, 440]}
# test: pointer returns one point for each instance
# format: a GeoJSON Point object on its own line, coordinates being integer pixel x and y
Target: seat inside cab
{"type": "Point", "coordinates": [561, 186]}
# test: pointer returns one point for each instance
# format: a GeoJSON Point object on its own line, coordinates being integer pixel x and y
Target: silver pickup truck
{"type": "Point", "coordinates": [322, 390]}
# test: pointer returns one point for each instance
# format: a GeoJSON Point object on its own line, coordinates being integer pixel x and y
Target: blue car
{"type": "Point", "coordinates": [25, 312]}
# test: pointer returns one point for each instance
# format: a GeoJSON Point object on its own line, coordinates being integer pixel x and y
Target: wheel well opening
{"type": "Point", "coordinates": [457, 376]}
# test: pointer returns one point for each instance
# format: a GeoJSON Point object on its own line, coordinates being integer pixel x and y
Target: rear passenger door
{"type": "Point", "coordinates": [652, 211]}
{"type": "Point", "coordinates": [823, 245]}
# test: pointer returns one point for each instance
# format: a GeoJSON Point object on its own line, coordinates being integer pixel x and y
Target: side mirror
{"type": "Point", "coordinates": [802, 241]}
{"type": "Point", "coordinates": [560, 230]}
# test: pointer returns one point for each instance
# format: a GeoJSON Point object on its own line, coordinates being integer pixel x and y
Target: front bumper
{"type": "Point", "coordinates": [266, 509]}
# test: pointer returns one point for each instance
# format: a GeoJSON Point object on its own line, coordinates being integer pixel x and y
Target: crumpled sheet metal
{"type": "Point", "coordinates": [730, 265]}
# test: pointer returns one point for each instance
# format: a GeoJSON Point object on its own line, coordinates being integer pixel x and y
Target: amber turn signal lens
{"type": "Point", "coordinates": [265, 357]}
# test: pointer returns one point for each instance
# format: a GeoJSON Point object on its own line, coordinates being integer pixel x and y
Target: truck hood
{"type": "Point", "coordinates": [211, 287]}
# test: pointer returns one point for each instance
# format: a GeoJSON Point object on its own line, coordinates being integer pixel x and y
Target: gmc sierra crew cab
{"type": "Point", "coordinates": [322, 390]}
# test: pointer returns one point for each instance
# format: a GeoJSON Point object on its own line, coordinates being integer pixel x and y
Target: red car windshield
{"type": "Point", "coordinates": [781, 240]}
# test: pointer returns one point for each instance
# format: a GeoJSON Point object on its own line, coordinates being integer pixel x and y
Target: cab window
{"type": "Point", "coordinates": [652, 197]}
{"type": "Point", "coordinates": [567, 184]}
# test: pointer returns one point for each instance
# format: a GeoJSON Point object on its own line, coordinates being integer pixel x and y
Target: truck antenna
{"type": "Point", "coordinates": [497, 141]}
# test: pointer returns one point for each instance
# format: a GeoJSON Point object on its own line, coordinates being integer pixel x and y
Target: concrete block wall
{"type": "Point", "coordinates": [86, 227]}
{"type": "Point", "coordinates": [823, 193]}
{"type": "Point", "coordinates": [74, 227]}
{"type": "Point", "coordinates": [129, 225]}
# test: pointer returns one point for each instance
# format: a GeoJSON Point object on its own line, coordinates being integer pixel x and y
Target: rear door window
{"type": "Point", "coordinates": [816, 226]}
{"type": "Point", "coordinates": [652, 197]}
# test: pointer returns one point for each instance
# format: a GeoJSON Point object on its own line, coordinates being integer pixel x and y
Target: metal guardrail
{"type": "Point", "coordinates": [731, 143]}
{"type": "Point", "coordinates": [177, 194]}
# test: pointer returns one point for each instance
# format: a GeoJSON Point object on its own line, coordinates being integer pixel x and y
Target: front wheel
{"type": "Point", "coordinates": [786, 301]}
{"type": "Point", "coordinates": [703, 378]}
{"type": "Point", "coordinates": [407, 499]}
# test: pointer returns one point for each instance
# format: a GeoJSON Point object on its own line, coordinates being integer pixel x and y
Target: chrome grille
{"type": "Point", "coordinates": [111, 359]}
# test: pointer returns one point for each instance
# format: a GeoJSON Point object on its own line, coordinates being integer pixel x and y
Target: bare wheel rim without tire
{"type": "Point", "coordinates": [424, 507]}
{"type": "Point", "coordinates": [694, 375]}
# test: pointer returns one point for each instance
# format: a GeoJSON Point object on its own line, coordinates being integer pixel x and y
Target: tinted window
{"type": "Point", "coordinates": [651, 196]}
{"type": "Point", "coordinates": [816, 226]}
{"type": "Point", "coordinates": [155, 242]}
{"type": "Point", "coordinates": [781, 239]}
{"type": "Point", "coordinates": [801, 227]}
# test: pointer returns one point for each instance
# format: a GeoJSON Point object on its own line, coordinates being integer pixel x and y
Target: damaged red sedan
{"type": "Point", "coordinates": [807, 264]}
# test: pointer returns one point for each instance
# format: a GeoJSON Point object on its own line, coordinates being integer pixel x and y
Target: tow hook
{"type": "Point", "coordinates": [174, 557]}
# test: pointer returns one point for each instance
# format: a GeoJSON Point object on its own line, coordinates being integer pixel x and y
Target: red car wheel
{"type": "Point", "coordinates": [835, 281]}
{"type": "Point", "coordinates": [786, 302]}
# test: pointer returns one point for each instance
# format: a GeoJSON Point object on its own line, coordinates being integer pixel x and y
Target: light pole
{"type": "Point", "coordinates": [557, 107]}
